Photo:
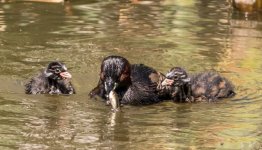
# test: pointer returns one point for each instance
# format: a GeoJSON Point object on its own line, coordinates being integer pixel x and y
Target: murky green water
{"type": "Point", "coordinates": [195, 34]}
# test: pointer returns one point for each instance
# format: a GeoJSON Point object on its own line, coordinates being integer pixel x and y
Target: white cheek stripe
{"type": "Point", "coordinates": [64, 67]}
{"type": "Point", "coordinates": [170, 74]}
{"type": "Point", "coordinates": [47, 74]}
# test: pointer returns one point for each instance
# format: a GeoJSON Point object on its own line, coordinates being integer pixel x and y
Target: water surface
{"type": "Point", "coordinates": [198, 35]}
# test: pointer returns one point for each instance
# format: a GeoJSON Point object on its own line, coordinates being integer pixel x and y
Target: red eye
{"type": "Point", "coordinates": [102, 76]}
{"type": "Point", "coordinates": [122, 77]}
{"type": "Point", "coordinates": [125, 74]}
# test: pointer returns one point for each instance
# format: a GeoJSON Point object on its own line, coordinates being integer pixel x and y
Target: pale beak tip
{"type": "Point", "coordinates": [167, 82]}
{"type": "Point", "coordinates": [66, 75]}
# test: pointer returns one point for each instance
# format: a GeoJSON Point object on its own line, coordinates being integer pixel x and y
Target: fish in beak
{"type": "Point", "coordinates": [114, 101]}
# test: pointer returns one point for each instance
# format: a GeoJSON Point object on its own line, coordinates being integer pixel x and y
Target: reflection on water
{"type": "Point", "coordinates": [196, 35]}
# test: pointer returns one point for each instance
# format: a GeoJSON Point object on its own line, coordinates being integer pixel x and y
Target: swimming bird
{"type": "Point", "coordinates": [135, 84]}
{"type": "Point", "coordinates": [205, 86]}
{"type": "Point", "coordinates": [54, 79]}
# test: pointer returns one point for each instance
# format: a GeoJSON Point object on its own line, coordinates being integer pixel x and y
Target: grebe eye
{"type": "Point", "coordinates": [57, 70]}
{"type": "Point", "coordinates": [172, 77]}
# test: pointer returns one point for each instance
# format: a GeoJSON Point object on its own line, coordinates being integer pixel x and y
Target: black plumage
{"type": "Point", "coordinates": [143, 89]}
{"type": "Point", "coordinates": [54, 79]}
{"type": "Point", "coordinates": [135, 84]}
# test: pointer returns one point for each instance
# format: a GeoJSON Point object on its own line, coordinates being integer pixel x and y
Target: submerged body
{"type": "Point", "coordinates": [211, 86]}
{"type": "Point", "coordinates": [52, 80]}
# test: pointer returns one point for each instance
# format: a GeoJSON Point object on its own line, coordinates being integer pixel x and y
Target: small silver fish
{"type": "Point", "coordinates": [114, 100]}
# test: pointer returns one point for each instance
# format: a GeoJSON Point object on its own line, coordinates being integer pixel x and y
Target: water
{"type": "Point", "coordinates": [195, 34]}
